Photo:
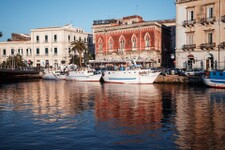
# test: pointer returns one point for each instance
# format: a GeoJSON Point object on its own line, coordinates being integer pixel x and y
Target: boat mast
{"type": "Point", "coordinates": [219, 19]}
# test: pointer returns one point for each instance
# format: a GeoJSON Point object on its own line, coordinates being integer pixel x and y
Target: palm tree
{"type": "Point", "coordinates": [79, 46]}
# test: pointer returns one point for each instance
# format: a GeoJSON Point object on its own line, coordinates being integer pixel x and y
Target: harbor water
{"type": "Point", "coordinates": [79, 115]}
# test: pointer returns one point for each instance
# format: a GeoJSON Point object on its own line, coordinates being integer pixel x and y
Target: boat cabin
{"type": "Point", "coordinates": [217, 75]}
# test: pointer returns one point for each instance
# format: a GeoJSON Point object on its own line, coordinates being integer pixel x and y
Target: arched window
{"type": "Point", "coordinates": [110, 43]}
{"type": "Point", "coordinates": [134, 41]}
{"type": "Point", "coordinates": [122, 42]}
{"type": "Point", "coordinates": [147, 40]}
{"type": "Point", "coordinates": [100, 45]}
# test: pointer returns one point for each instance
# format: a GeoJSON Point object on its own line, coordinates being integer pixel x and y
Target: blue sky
{"type": "Point", "coordinates": [20, 16]}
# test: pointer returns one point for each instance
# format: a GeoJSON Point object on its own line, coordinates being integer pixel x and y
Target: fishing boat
{"type": "Point", "coordinates": [53, 75]}
{"type": "Point", "coordinates": [131, 75]}
{"type": "Point", "coordinates": [84, 75]}
{"type": "Point", "coordinates": [214, 79]}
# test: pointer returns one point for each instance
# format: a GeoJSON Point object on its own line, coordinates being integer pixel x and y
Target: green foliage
{"type": "Point", "coordinates": [14, 61]}
{"type": "Point", "coordinates": [79, 47]}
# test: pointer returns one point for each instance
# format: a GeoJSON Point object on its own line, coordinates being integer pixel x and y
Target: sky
{"type": "Point", "coordinates": [20, 16]}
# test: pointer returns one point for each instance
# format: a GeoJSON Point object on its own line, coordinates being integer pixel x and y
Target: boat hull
{"type": "Point", "coordinates": [216, 83]}
{"type": "Point", "coordinates": [130, 77]}
{"type": "Point", "coordinates": [83, 76]}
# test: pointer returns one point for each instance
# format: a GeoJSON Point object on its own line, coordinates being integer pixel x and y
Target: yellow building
{"type": "Point", "coordinates": [200, 34]}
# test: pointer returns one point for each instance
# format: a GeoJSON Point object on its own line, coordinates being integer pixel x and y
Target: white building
{"type": "Point", "coordinates": [46, 46]}
{"type": "Point", "coordinates": [200, 38]}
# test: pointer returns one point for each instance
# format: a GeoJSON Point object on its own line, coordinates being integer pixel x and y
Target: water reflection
{"type": "Point", "coordinates": [135, 106]}
{"type": "Point", "coordinates": [145, 115]}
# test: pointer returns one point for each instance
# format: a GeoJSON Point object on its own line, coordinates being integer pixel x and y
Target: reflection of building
{"type": "Point", "coordinates": [131, 107]}
{"type": "Point", "coordinates": [44, 46]}
{"type": "Point", "coordinates": [149, 42]}
{"type": "Point", "coordinates": [200, 28]}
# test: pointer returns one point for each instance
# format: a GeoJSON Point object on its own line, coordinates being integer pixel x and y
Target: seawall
{"type": "Point", "coordinates": [172, 79]}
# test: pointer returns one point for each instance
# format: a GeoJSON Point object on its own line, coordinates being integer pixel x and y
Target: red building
{"type": "Point", "coordinates": [148, 42]}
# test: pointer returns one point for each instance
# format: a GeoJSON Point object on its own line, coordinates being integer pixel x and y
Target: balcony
{"type": "Point", "coordinates": [188, 23]}
{"type": "Point", "coordinates": [207, 46]}
{"type": "Point", "coordinates": [189, 47]}
{"type": "Point", "coordinates": [222, 45]}
{"type": "Point", "coordinates": [223, 18]}
{"type": "Point", "coordinates": [210, 20]}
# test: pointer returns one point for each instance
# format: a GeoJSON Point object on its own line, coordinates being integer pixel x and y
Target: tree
{"type": "Point", "coordinates": [14, 62]}
{"type": "Point", "coordinates": [0, 34]}
{"type": "Point", "coordinates": [79, 46]}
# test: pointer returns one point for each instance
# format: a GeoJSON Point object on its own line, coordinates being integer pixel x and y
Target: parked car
{"type": "Point", "coordinates": [194, 72]}
{"type": "Point", "coordinates": [180, 72]}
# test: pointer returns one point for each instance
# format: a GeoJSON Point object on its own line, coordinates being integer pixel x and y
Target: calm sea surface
{"type": "Point", "coordinates": [75, 115]}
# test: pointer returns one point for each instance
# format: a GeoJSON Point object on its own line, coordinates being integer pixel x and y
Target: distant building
{"type": "Point", "coordinates": [121, 40]}
{"type": "Point", "coordinates": [200, 34]}
{"type": "Point", "coordinates": [44, 46]}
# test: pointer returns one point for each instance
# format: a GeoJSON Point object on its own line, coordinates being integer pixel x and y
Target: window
{"type": "Point", "coordinates": [4, 52]}
{"type": "Point", "coordinates": [134, 42]}
{"type": "Point", "coordinates": [55, 38]}
{"type": "Point", "coordinates": [55, 51]}
{"type": "Point", "coordinates": [19, 51]}
{"type": "Point", "coordinates": [68, 38]}
{"type": "Point", "coordinates": [37, 51]}
{"type": "Point", "coordinates": [147, 40]}
{"type": "Point", "coordinates": [69, 51]}
{"type": "Point", "coordinates": [190, 38]}
{"type": "Point", "coordinates": [37, 39]}
{"type": "Point", "coordinates": [27, 52]}
{"type": "Point", "coordinates": [122, 43]}
{"type": "Point", "coordinates": [209, 12]}
{"type": "Point", "coordinates": [210, 38]}
{"type": "Point", "coordinates": [74, 38]}
{"type": "Point", "coordinates": [46, 39]}
{"type": "Point", "coordinates": [110, 44]}
{"type": "Point", "coordinates": [100, 45]}
{"type": "Point", "coordinates": [12, 51]}
{"type": "Point", "coordinates": [190, 15]}
{"type": "Point", "coordinates": [46, 51]}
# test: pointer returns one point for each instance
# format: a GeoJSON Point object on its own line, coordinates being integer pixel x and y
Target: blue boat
{"type": "Point", "coordinates": [214, 79]}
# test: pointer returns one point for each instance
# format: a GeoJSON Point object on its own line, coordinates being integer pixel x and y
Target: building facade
{"type": "Point", "coordinates": [44, 46]}
{"type": "Point", "coordinates": [132, 38]}
{"type": "Point", "coordinates": [200, 34]}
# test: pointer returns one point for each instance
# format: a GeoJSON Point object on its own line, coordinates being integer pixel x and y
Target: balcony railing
{"type": "Point", "coordinates": [223, 18]}
{"type": "Point", "coordinates": [189, 22]}
{"type": "Point", "coordinates": [208, 20]}
{"type": "Point", "coordinates": [207, 46]}
{"type": "Point", "coordinates": [222, 45]}
{"type": "Point", "coordinates": [189, 47]}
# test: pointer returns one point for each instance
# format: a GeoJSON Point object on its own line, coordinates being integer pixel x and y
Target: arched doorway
{"type": "Point", "coordinates": [190, 61]}
{"type": "Point", "coordinates": [209, 61]}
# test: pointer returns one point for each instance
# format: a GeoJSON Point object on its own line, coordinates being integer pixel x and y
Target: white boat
{"type": "Point", "coordinates": [87, 75]}
{"type": "Point", "coordinates": [214, 79]}
{"type": "Point", "coordinates": [53, 75]}
{"type": "Point", "coordinates": [136, 76]}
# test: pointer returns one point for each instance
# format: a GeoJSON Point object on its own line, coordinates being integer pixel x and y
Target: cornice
{"type": "Point", "coordinates": [184, 1]}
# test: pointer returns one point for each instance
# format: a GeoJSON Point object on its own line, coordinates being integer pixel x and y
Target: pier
{"type": "Point", "coordinates": [10, 74]}
{"type": "Point", "coordinates": [175, 79]}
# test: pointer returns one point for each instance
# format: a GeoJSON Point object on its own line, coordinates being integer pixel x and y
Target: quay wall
{"type": "Point", "coordinates": [178, 79]}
